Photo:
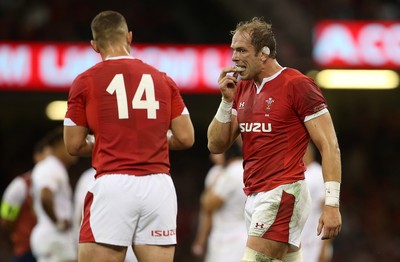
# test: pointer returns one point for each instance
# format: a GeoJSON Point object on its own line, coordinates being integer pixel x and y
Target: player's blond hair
{"type": "Point", "coordinates": [260, 32]}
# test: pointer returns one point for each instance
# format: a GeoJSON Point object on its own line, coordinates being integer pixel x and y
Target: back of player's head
{"type": "Point", "coordinates": [54, 137]}
{"type": "Point", "coordinates": [41, 150]}
{"type": "Point", "coordinates": [108, 27]}
{"type": "Point", "coordinates": [40, 146]}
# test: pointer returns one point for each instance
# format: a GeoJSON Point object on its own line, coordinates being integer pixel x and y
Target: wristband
{"type": "Point", "coordinates": [223, 114]}
{"type": "Point", "coordinates": [332, 193]}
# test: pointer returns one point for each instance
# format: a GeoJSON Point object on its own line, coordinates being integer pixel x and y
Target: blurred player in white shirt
{"type": "Point", "coordinates": [313, 248]}
{"type": "Point", "coordinates": [225, 200]}
{"type": "Point", "coordinates": [52, 237]}
{"type": "Point", "coordinates": [205, 217]}
{"type": "Point", "coordinates": [17, 216]}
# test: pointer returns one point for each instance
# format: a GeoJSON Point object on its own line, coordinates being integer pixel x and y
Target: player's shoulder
{"type": "Point", "coordinates": [293, 74]}
{"type": "Point", "coordinates": [18, 181]}
{"type": "Point", "coordinates": [50, 163]}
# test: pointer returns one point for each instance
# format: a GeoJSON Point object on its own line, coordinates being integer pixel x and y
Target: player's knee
{"type": "Point", "coordinates": [294, 256]}
{"type": "Point", "coordinates": [251, 255]}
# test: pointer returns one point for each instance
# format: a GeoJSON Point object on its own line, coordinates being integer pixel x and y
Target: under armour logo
{"type": "Point", "coordinates": [259, 225]}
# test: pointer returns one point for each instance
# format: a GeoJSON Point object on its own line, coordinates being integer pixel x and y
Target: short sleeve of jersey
{"type": "Point", "coordinates": [306, 96]}
{"type": "Point", "coordinates": [178, 106]}
{"type": "Point", "coordinates": [76, 102]}
{"type": "Point", "coordinates": [16, 192]}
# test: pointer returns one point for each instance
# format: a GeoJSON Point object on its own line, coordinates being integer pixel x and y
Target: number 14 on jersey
{"type": "Point", "coordinates": [146, 86]}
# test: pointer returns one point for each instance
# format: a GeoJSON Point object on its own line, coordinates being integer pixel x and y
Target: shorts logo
{"type": "Point", "coordinates": [259, 225]}
{"type": "Point", "coordinates": [163, 233]}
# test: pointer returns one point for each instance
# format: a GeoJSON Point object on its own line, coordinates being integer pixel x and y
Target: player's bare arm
{"type": "Point", "coordinates": [76, 142]}
{"type": "Point", "coordinates": [182, 133]}
{"type": "Point", "coordinates": [210, 201]}
{"type": "Point", "coordinates": [47, 199]}
{"type": "Point", "coordinates": [323, 135]}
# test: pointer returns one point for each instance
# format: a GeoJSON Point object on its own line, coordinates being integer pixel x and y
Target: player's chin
{"type": "Point", "coordinates": [243, 76]}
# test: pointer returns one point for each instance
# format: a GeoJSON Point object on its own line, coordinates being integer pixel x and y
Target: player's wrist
{"type": "Point", "coordinates": [224, 111]}
{"type": "Point", "coordinates": [332, 193]}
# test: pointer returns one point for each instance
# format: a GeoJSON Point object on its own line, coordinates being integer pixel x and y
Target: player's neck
{"type": "Point", "coordinates": [270, 68]}
{"type": "Point", "coordinates": [115, 52]}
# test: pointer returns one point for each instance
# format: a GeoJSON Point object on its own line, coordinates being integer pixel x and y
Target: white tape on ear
{"type": "Point", "coordinates": [266, 50]}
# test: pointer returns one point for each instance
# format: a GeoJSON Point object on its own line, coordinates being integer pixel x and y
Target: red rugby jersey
{"type": "Point", "coordinates": [271, 123]}
{"type": "Point", "coordinates": [128, 105]}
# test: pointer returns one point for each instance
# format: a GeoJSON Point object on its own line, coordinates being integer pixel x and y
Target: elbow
{"type": "Point", "coordinates": [214, 148]}
{"type": "Point", "coordinates": [73, 150]}
{"type": "Point", "coordinates": [186, 139]}
{"type": "Point", "coordinates": [181, 142]}
{"type": "Point", "coordinates": [187, 142]}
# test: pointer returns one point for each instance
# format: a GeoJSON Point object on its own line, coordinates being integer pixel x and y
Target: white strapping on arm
{"type": "Point", "coordinates": [332, 193]}
{"type": "Point", "coordinates": [319, 113]}
{"type": "Point", "coordinates": [224, 111]}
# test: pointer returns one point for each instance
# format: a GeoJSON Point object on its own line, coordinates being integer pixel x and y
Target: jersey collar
{"type": "Point", "coordinates": [267, 79]}
{"type": "Point", "coordinates": [119, 57]}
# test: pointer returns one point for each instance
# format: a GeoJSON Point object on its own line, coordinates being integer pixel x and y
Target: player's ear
{"type": "Point", "coordinates": [94, 46]}
{"type": "Point", "coordinates": [265, 52]}
{"type": "Point", "coordinates": [129, 37]}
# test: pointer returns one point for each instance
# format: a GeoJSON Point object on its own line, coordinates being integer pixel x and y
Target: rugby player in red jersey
{"type": "Point", "coordinates": [276, 110]}
{"type": "Point", "coordinates": [129, 106]}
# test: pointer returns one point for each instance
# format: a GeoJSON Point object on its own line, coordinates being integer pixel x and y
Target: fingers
{"type": "Point", "coordinates": [319, 228]}
{"type": "Point", "coordinates": [226, 70]}
{"type": "Point", "coordinates": [228, 77]}
{"type": "Point", "coordinates": [330, 223]}
{"type": "Point", "coordinates": [330, 233]}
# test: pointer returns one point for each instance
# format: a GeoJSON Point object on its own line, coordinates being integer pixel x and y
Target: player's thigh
{"type": "Point", "coordinates": [151, 253]}
{"type": "Point", "coordinates": [96, 252]}
{"type": "Point", "coordinates": [271, 248]}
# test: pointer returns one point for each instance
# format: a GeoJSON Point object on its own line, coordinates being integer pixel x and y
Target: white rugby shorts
{"type": "Point", "coordinates": [279, 214]}
{"type": "Point", "coordinates": [125, 209]}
